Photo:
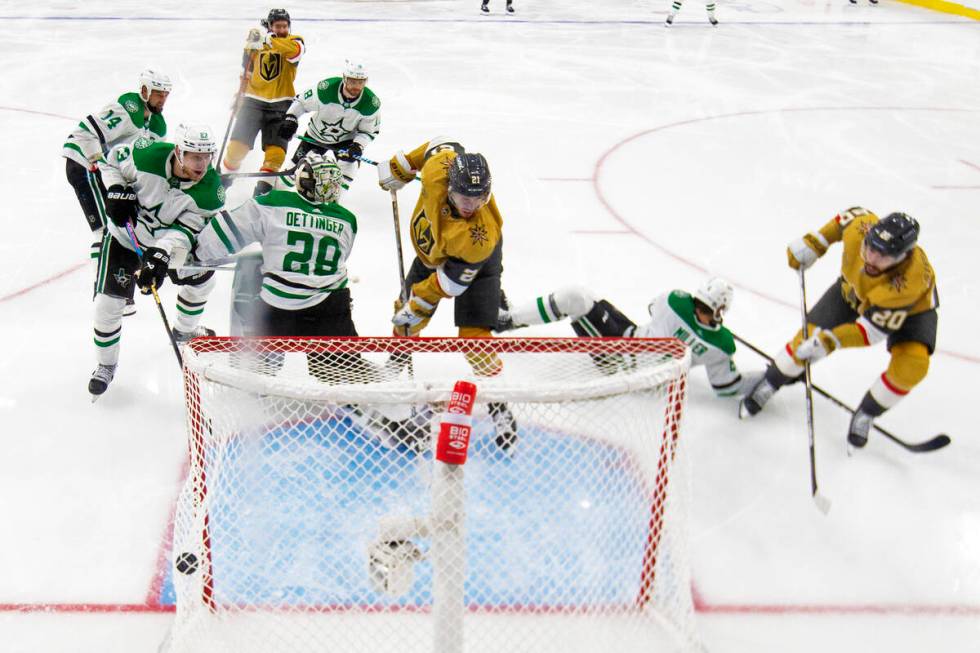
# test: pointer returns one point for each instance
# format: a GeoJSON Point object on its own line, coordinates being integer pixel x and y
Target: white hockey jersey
{"type": "Point", "coordinates": [672, 315]}
{"type": "Point", "coordinates": [122, 121]}
{"type": "Point", "coordinates": [171, 211]}
{"type": "Point", "coordinates": [304, 246]}
{"type": "Point", "coordinates": [336, 119]}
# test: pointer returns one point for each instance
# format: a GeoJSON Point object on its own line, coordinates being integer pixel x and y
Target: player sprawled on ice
{"type": "Point", "coordinates": [346, 118]}
{"type": "Point", "coordinates": [694, 319]}
{"type": "Point", "coordinates": [268, 89]}
{"type": "Point", "coordinates": [166, 192]}
{"type": "Point", "coordinates": [306, 238]}
{"type": "Point", "coordinates": [886, 291]}
{"type": "Point", "coordinates": [130, 116]}
{"type": "Point", "coordinates": [457, 234]}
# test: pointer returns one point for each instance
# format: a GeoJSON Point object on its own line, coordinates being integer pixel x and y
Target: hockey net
{"type": "Point", "coordinates": [317, 517]}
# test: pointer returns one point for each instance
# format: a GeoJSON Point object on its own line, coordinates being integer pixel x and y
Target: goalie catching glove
{"type": "Point", "coordinates": [153, 269]}
{"type": "Point", "coordinates": [413, 315]}
{"type": "Point", "coordinates": [391, 566]}
{"type": "Point", "coordinates": [120, 204]}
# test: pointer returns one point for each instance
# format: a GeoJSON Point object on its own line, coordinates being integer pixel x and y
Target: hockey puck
{"type": "Point", "coordinates": [186, 563]}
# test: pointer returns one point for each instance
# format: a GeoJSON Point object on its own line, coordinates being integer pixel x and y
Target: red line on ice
{"type": "Point", "coordinates": [44, 282]}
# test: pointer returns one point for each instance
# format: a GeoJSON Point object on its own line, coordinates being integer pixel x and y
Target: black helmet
{"type": "Point", "coordinates": [469, 175]}
{"type": "Point", "coordinates": [277, 14]}
{"type": "Point", "coordinates": [893, 235]}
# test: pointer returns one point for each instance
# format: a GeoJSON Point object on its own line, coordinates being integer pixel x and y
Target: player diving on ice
{"type": "Point", "coordinates": [165, 193]}
{"type": "Point", "coordinates": [694, 319]}
{"type": "Point", "coordinates": [886, 291]}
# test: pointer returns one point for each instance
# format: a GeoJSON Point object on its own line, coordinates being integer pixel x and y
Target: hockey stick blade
{"type": "Point", "coordinates": [823, 503]}
{"type": "Point", "coordinates": [932, 444]}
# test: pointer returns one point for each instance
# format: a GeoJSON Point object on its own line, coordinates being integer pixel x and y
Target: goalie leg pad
{"type": "Point", "coordinates": [391, 566]}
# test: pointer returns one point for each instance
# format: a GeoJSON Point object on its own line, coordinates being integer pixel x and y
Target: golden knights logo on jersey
{"type": "Point", "coordinates": [422, 233]}
{"type": "Point", "coordinates": [270, 65]}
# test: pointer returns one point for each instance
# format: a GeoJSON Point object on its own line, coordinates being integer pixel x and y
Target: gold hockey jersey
{"type": "Point", "coordinates": [883, 301]}
{"type": "Point", "coordinates": [453, 246]}
{"type": "Point", "coordinates": [273, 69]}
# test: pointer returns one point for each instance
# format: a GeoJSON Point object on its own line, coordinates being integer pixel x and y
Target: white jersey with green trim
{"type": "Point", "coordinates": [119, 122]}
{"type": "Point", "coordinates": [171, 210]}
{"type": "Point", "coordinates": [305, 246]}
{"type": "Point", "coordinates": [672, 315]}
{"type": "Point", "coordinates": [337, 119]}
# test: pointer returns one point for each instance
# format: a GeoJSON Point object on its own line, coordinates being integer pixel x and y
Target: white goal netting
{"type": "Point", "coordinates": [316, 515]}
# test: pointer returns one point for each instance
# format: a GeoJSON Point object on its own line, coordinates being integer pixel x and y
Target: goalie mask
{"type": "Point", "coordinates": [715, 295]}
{"type": "Point", "coordinates": [318, 178]}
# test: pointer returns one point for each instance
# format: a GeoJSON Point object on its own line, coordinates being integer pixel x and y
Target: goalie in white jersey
{"type": "Point", "coordinates": [306, 239]}
{"type": "Point", "coordinates": [165, 193]}
{"type": "Point", "coordinates": [694, 319]}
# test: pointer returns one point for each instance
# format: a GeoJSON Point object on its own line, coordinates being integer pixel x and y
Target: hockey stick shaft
{"type": "Point", "coordinates": [241, 175]}
{"type": "Point", "coordinates": [822, 503]}
{"type": "Point", "coordinates": [937, 442]}
{"type": "Point", "coordinates": [246, 67]}
{"type": "Point", "coordinates": [156, 298]}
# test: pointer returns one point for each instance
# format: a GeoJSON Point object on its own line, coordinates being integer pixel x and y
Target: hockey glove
{"type": "Point", "coordinates": [392, 176]}
{"type": "Point", "coordinates": [412, 316]}
{"type": "Point", "coordinates": [254, 40]}
{"type": "Point", "coordinates": [120, 204]}
{"type": "Point", "coordinates": [816, 346]}
{"type": "Point", "coordinates": [803, 252]}
{"type": "Point", "coordinates": [153, 269]}
{"type": "Point", "coordinates": [352, 153]}
{"type": "Point", "coordinates": [288, 127]}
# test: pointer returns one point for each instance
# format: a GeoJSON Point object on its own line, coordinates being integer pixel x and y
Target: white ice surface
{"type": "Point", "coordinates": [627, 157]}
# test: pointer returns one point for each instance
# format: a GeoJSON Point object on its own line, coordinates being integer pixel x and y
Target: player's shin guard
{"type": "Point", "coordinates": [108, 328]}
{"type": "Point", "coordinates": [909, 365]}
{"type": "Point", "coordinates": [482, 363]}
{"type": "Point", "coordinates": [274, 156]}
{"type": "Point", "coordinates": [190, 305]}
{"type": "Point", "coordinates": [235, 155]}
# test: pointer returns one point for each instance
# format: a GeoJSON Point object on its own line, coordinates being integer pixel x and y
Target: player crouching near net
{"type": "Point", "coordinates": [457, 234]}
{"type": "Point", "coordinates": [306, 239]}
{"type": "Point", "coordinates": [695, 319]}
{"type": "Point", "coordinates": [162, 194]}
{"type": "Point", "coordinates": [886, 291]}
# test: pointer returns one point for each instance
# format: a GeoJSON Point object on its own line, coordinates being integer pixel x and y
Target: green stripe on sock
{"type": "Point", "coordinates": [187, 312]}
{"type": "Point", "coordinates": [107, 344]}
{"type": "Point", "coordinates": [542, 311]}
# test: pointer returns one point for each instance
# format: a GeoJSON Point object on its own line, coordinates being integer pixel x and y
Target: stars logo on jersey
{"type": "Point", "coordinates": [131, 106]}
{"type": "Point", "coordinates": [122, 154]}
{"type": "Point", "coordinates": [221, 194]}
{"type": "Point", "coordinates": [334, 129]}
{"type": "Point", "coordinates": [122, 278]}
{"type": "Point", "coordinates": [142, 143]}
{"type": "Point", "coordinates": [478, 234]}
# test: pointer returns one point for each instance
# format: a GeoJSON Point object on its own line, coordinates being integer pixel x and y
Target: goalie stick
{"type": "Point", "coordinates": [932, 444]}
